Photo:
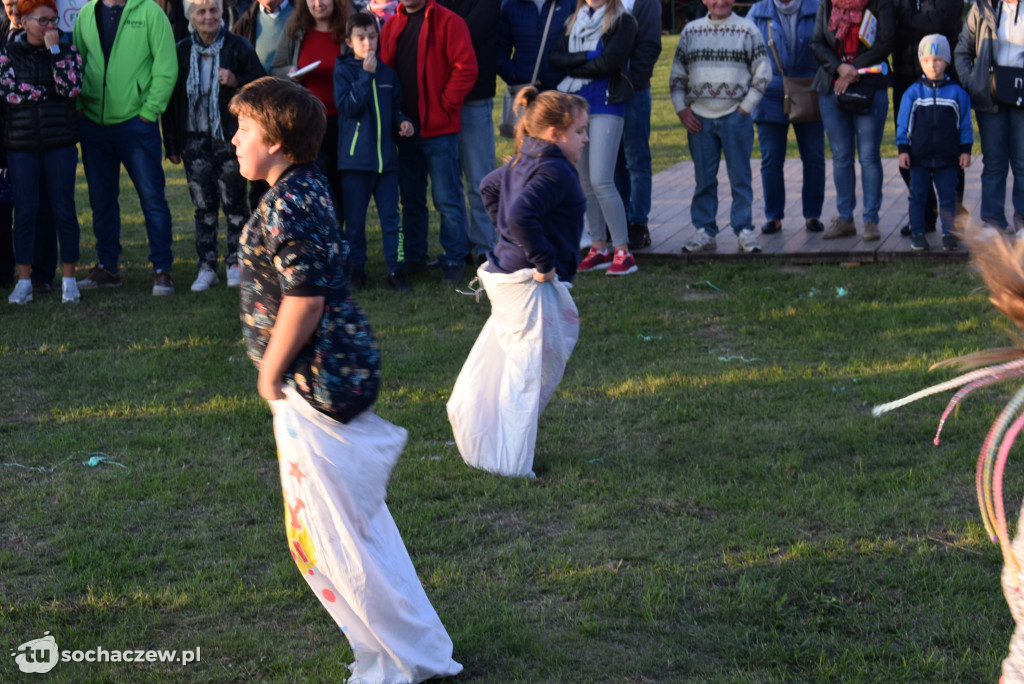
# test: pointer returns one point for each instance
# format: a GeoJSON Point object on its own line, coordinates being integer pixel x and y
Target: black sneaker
{"type": "Point", "coordinates": [772, 226]}
{"type": "Point", "coordinates": [397, 281]}
{"type": "Point", "coordinates": [452, 275]}
{"type": "Point", "coordinates": [639, 236]}
{"type": "Point", "coordinates": [950, 243]}
{"type": "Point", "coordinates": [357, 279]}
{"type": "Point", "coordinates": [929, 227]}
{"type": "Point", "coordinates": [919, 243]}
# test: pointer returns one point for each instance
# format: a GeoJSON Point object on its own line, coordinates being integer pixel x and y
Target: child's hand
{"type": "Point", "coordinates": [406, 129]}
{"type": "Point", "coordinates": [904, 160]}
{"type": "Point", "coordinates": [269, 387]}
{"type": "Point", "coordinates": [543, 277]}
{"type": "Point", "coordinates": [370, 62]}
{"type": "Point", "coordinates": [965, 160]}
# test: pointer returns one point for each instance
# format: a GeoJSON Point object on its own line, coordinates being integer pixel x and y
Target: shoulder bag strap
{"type": "Point", "coordinates": [774, 51]}
{"type": "Point", "coordinates": [543, 41]}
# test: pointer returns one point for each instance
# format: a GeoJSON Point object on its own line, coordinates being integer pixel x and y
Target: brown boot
{"type": "Point", "coordinates": [871, 231]}
{"type": "Point", "coordinates": [839, 229]}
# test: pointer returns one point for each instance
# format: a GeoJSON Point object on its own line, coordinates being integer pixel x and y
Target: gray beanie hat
{"type": "Point", "coordinates": [934, 45]}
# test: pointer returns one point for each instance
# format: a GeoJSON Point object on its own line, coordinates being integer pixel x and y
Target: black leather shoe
{"type": "Point", "coordinates": [814, 226]}
{"type": "Point", "coordinates": [772, 226]}
{"type": "Point", "coordinates": [639, 236]}
{"type": "Point", "coordinates": [397, 281]}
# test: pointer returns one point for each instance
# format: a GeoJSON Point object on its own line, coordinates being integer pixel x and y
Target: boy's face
{"type": "Point", "coordinates": [255, 156]}
{"type": "Point", "coordinates": [933, 67]}
{"type": "Point", "coordinates": [718, 9]}
{"type": "Point", "coordinates": [363, 41]}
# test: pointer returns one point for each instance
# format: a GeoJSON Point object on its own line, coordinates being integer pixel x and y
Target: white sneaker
{"type": "Point", "coordinates": [69, 293]}
{"type": "Point", "coordinates": [22, 293]}
{"type": "Point", "coordinates": [701, 242]}
{"type": "Point", "coordinates": [748, 243]}
{"type": "Point", "coordinates": [234, 276]}
{"type": "Point", "coordinates": [207, 278]}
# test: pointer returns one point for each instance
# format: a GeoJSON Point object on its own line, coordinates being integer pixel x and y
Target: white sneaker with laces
{"type": "Point", "coordinates": [207, 278]}
{"type": "Point", "coordinates": [701, 242]}
{"type": "Point", "coordinates": [234, 276]}
{"type": "Point", "coordinates": [747, 242]}
{"type": "Point", "coordinates": [22, 293]}
{"type": "Point", "coordinates": [69, 293]}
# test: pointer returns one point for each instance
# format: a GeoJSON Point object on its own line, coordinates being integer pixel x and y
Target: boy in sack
{"type": "Point", "coordinates": [319, 369]}
{"type": "Point", "coordinates": [934, 137]}
{"type": "Point", "coordinates": [369, 99]}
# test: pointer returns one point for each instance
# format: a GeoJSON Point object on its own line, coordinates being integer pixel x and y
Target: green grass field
{"type": "Point", "coordinates": [715, 502]}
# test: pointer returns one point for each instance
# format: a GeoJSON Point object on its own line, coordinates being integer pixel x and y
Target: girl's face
{"type": "Point", "coordinates": [594, 4]}
{"type": "Point", "coordinates": [321, 9]}
{"type": "Point", "coordinates": [572, 140]}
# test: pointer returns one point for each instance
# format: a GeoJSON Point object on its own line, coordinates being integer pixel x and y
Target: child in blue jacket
{"type": "Point", "coordinates": [368, 98]}
{"type": "Point", "coordinates": [934, 113]}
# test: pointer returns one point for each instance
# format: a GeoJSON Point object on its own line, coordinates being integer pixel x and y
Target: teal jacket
{"type": "Point", "coordinates": [139, 77]}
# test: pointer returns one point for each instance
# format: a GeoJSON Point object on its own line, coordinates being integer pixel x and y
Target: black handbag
{"type": "Point", "coordinates": [1009, 86]}
{"type": "Point", "coordinates": [858, 97]}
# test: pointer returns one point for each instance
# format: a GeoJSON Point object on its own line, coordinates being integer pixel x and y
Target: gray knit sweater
{"type": "Point", "coordinates": [719, 66]}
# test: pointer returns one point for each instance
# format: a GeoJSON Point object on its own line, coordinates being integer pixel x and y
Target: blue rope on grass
{"type": "Point", "coordinates": [95, 459]}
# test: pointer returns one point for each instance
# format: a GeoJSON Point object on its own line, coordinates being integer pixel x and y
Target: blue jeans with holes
{"type": "Point", "coordinates": [859, 134]}
{"type": "Point", "coordinates": [136, 144]}
{"type": "Point", "coordinates": [810, 138]}
{"type": "Point", "coordinates": [633, 168]}
{"type": "Point", "coordinates": [438, 158]}
{"type": "Point", "coordinates": [476, 157]}
{"type": "Point", "coordinates": [1002, 150]}
{"type": "Point", "coordinates": [733, 136]}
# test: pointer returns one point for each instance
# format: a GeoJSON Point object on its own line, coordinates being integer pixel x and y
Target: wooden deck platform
{"type": "Point", "coordinates": [670, 225]}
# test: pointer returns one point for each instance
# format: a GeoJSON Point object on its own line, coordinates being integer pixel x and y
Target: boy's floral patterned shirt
{"type": "Point", "coordinates": [291, 246]}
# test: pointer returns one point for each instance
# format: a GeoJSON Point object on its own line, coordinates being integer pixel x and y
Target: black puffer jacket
{"type": "Point", "coordinates": [617, 46]}
{"type": "Point", "coordinates": [46, 123]}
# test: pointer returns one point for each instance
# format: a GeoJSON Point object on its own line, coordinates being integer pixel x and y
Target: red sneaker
{"type": "Point", "coordinates": [595, 261]}
{"type": "Point", "coordinates": [622, 264]}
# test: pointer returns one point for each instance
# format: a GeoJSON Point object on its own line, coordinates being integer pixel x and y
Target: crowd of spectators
{"type": "Point", "coordinates": [138, 62]}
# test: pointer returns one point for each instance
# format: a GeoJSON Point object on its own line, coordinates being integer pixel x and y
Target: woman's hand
{"type": "Point", "coordinates": [228, 78]}
{"type": "Point", "coordinates": [846, 75]}
{"type": "Point", "coordinates": [543, 277]}
{"type": "Point", "coordinates": [51, 38]}
{"type": "Point", "coordinates": [174, 158]}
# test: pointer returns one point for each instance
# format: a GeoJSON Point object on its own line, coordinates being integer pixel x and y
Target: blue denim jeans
{"type": "Point", "coordinates": [921, 178]}
{"type": "Point", "coordinates": [633, 168]}
{"type": "Point", "coordinates": [358, 187]}
{"type": "Point", "coordinates": [54, 169]}
{"type": "Point", "coordinates": [732, 135]}
{"type": "Point", "coordinates": [810, 138]}
{"type": "Point", "coordinates": [437, 157]}
{"type": "Point", "coordinates": [861, 134]}
{"type": "Point", "coordinates": [136, 144]}
{"type": "Point", "coordinates": [1002, 150]}
{"type": "Point", "coordinates": [476, 157]}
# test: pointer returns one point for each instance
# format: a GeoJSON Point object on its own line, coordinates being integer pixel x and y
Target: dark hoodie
{"type": "Point", "coordinates": [537, 204]}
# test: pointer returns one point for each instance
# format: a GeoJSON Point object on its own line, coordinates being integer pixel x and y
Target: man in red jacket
{"type": "Point", "coordinates": [429, 48]}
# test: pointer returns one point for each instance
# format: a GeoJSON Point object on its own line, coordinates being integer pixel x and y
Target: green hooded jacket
{"type": "Point", "coordinates": [139, 77]}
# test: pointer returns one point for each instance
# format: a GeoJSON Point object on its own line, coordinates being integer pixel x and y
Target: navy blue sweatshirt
{"type": "Point", "coordinates": [537, 204]}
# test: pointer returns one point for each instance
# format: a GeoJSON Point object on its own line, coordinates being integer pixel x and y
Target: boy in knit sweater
{"type": "Point", "coordinates": [719, 73]}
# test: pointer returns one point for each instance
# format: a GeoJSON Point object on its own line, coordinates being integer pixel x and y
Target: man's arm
{"type": "Point", "coordinates": [462, 59]}
{"type": "Point", "coordinates": [165, 65]}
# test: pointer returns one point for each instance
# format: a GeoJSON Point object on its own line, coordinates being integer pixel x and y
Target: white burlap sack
{"type": "Point", "coordinates": [347, 546]}
{"type": "Point", "coordinates": [512, 371]}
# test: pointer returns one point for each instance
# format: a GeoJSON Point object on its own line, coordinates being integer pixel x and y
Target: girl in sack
{"type": "Point", "coordinates": [537, 204]}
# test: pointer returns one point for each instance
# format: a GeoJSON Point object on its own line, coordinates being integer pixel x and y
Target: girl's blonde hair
{"type": "Point", "coordinates": [540, 111]}
{"type": "Point", "coordinates": [611, 15]}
